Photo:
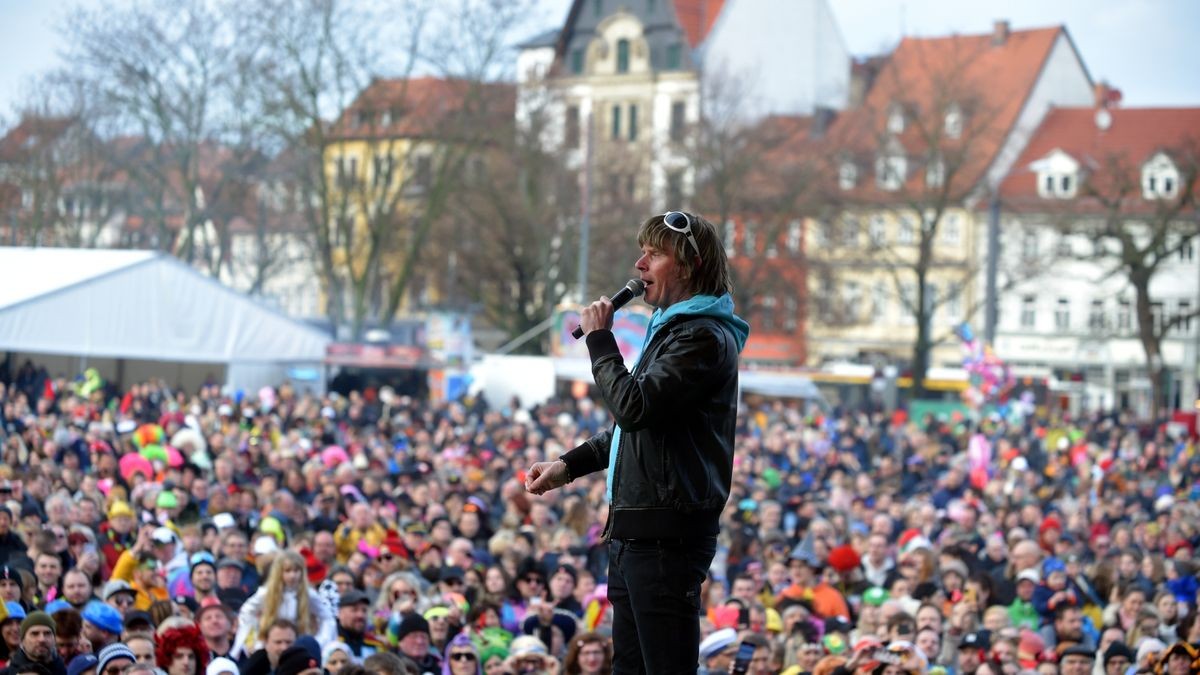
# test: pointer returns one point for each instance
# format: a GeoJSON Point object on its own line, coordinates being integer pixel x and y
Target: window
{"type": "Point", "coordinates": [730, 238]}
{"type": "Point", "coordinates": [906, 234]}
{"type": "Point", "coordinates": [622, 56]}
{"type": "Point", "coordinates": [851, 300]}
{"type": "Point", "coordinates": [423, 175]}
{"type": "Point", "coordinates": [633, 122]}
{"type": "Point", "coordinates": [675, 189]}
{"type": "Point", "coordinates": [793, 236]}
{"type": "Point", "coordinates": [571, 136]}
{"type": "Point", "coordinates": [877, 230]}
{"type": "Point", "coordinates": [674, 56]}
{"type": "Point", "coordinates": [1062, 314]}
{"type": "Point", "coordinates": [1124, 316]}
{"type": "Point", "coordinates": [1028, 311]}
{"type": "Point", "coordinates": [890, 172]}
{"type": "Point", "coordinates": [1029, 245]}
{"type": "Point", "coordinates": [850, 229]}
{"type": "Point", "coordinates": [1160, 178]}
{"type": "Point", "coordinates": [847, 175]}
{"type": "Point", "coordinates": [1096, 316]}
{"type": "Point", "coordinates": [382, 174]}
{"type": "Point", "coordinates": [749, 239]}
{"type": "Point", "coordinates": [895, 119]}
{"type": "Point", "coordinates": [1058, 175]}
{"type": "Point", "coordinates": [577, 61]}
{"type": "Point", "coordinates": [954, 305]}
{"type": "Point", "coordinates": [616, 122]}
{"type": "Point", "coordinates": [1184, 313]}
{"type": "Point", "coordinates": [678, 120]}
{"type": "Point", "coordinates": [766, 317]}
{"type": "Point", "coordinates": [908, 302]}
{"type": "Point", "coordinates": [935, 174]}
{"type": "Point", "coordinates": [791, 313]}
{"type": "Point", "coordinates": [879, 300]}
{"type": "Point", "coordinates": [951, 229]}
{"type": "Point", "coordinates": [347, 171]}
{"type": "Point", "coordinates": [954, 121]}
{"type": "Point", "coordinates": [1187, 252]}
{"type": "Point", "coordinates": [366, 118]}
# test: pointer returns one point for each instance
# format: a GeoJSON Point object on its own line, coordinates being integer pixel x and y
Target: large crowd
{"type": "Point", "coordinates": [280, 532]}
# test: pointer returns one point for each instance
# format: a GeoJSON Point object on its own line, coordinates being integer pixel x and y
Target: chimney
{"type": "Point", "coordinates": [822, 118]}
{"type": "Point", "coordinates": [1000, 31]}
{"type": "Point", "coordinates": [1106, 95]}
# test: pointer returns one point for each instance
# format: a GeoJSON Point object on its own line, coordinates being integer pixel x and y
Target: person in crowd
{"type": "Point", "coordinates": [286, 595]}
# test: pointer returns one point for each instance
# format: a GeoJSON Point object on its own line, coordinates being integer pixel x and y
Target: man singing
{"type": "Point", "coordinates": [670, 454]}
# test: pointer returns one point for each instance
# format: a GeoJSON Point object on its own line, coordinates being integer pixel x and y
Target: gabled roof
{"type": "Point", "coordinates": [990, 79]}
{"type": "Point", "coordinates": [30, 133]}
{"type": "Point", "coordinates": [697, 18]}
{"type": "Point", "coordinates": [1132, 137]}
{"type": "Point", "coordinates": [424, 107]}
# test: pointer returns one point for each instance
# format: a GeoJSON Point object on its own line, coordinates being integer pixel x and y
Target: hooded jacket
{"type": "Point", "coordinates": [670, 451]}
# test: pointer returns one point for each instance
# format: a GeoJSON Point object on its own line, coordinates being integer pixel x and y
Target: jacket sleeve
{"type": "Point", "coordinates": [694, 356]}
{"type": "Point", "coordinates": [589, 456]}
{"type": "Point", "coordinates": [248, 618]}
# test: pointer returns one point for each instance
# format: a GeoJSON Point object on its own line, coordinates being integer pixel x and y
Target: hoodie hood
{"type": "Point", "coordinates": [717, 307]}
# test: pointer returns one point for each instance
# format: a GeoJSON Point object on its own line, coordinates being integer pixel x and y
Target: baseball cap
{"type": "Point", "coordinates": [717, 642]}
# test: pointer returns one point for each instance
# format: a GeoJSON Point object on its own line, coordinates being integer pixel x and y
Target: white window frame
{"type": "Point", "coordinates": [953, 124]}
{"type": "Point", "coordinates": [847, 175]}
{"type": "Point", "coordinates": [951, 228]}
{"type": "Point", "coordinates": [891, 171]}
{"type": "Point", "coordinates": [1062, 314]}
{"type": "Point", "coordinates": [1160, 178]}
{"type": "Point", "coordinates": [877, 229]}
{"type": "Point", "coordinates": [1029, 311]}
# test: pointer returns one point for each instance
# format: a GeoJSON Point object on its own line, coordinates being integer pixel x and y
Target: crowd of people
{"type": "Point", "coordinates": [284, 533]}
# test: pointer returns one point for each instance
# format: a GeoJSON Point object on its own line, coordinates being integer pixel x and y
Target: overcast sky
{"type": "Point", "coordinates": [1147, 48]}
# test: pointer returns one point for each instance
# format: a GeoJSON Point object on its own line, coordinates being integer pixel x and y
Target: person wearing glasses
{"type": "Point", "coordinates": [461, 657]}
{"type": "Point", "coordinates": [670, 454]}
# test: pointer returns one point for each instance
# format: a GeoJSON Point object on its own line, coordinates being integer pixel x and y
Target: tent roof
{"type": "Point", "coordinates": [139, 305]}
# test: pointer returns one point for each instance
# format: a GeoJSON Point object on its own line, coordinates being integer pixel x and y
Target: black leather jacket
{"type": "Point", "coordinates": [677, 411]}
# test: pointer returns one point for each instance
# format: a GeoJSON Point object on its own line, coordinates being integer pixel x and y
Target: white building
{"type": "Point", "coordinates": [1070, 314]}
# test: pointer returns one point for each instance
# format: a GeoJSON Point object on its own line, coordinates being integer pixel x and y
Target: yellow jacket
{"type": "Point", "coordinates": [143, 597]}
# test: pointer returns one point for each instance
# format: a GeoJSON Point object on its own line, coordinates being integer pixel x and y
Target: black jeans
{"type": "Point", "coordinates": [654, 588]}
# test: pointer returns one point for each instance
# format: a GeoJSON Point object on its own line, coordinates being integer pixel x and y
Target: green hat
{"type": "Point", "coordinates": [166, 500]}
{"type": "Point", "coordinates": [490, 651]}
{"type": "Point", "coordinates": [38, 618]}
{"type": "Point", "coordinates": [875, 596]}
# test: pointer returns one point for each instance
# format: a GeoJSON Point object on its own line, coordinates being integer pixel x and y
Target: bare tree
{"type": "Point", "coordinates": [913, 157]}
{"type": "Point", "coordinates": [1134, 238]}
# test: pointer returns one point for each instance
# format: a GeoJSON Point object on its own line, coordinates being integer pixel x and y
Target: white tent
{"type": "Point", "coordinates": [143, 313]}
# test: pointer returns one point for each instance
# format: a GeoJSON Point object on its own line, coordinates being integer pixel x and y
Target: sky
{"type": "Point", "coordinates": [1146, 48]}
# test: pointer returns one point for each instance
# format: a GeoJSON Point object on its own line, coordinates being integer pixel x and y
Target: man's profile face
{"type": "Point", "coordinates": [662, 276]}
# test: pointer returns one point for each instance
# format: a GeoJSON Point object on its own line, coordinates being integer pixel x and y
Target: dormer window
{"type": "Point", "coordinates": [1057, 175]}
{"type": "Point", "coordinates": [1160, 178]}
{"type": "Point", "coordinates": [847, 175]}
{"type": "Point", "coordinates": [895, 119]}
{"type": "Point", "coordinates": [890, 172]}
{"type": "Point", "coordinates": [953, 124]}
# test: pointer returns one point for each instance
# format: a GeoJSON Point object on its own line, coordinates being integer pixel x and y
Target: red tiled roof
{"type": "Point", "coordinates": [1111, 157]}
{"type": "Point", "coordinates": [990, 81]}
{"type": "Point", "coordinates": [697, 17]}
{"type": "Point", "coordinates": [424, 107]}
{"type": "Point", "coordinates": [30, 132]}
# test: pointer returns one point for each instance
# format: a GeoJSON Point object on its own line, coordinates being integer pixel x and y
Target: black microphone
{"type": "Point", "coordinates": [633, 289]}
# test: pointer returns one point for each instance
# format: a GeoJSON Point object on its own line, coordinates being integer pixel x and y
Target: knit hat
{"type": "Point", "coordinates": [103, 616]}
{"type": "Point", "coordinates": [1051, 565]}
{"type": "Point", "coordinates": [295, 660]}
{"type": "Point", "coordinates": [1050, 522]}
{"type": "Point", "coordinates": [116, 650]}
{"type": "Point", "coordinates": [411, 623]}
{"type": "Point", "coordinates": [15, 612]}
{"type": "Point", "coordinates": [81, 663]}
{"type": "Point", "coordinates": [37, 619]}
{"type": "Point", "coordinates": [10, 573]}
{"type": "Point", "coordinates": [120, 508]}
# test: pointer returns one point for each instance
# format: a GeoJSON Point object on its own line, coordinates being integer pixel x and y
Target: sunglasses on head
{"type": "Point", "coordinates": [680, 222]}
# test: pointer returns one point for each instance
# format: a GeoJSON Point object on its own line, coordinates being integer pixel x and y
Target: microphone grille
{"type": "Point", "coordinates": [637, 286]}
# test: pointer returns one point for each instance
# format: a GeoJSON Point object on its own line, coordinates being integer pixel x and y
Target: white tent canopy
{"type": "Point", "coordinates": [141, 305]}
